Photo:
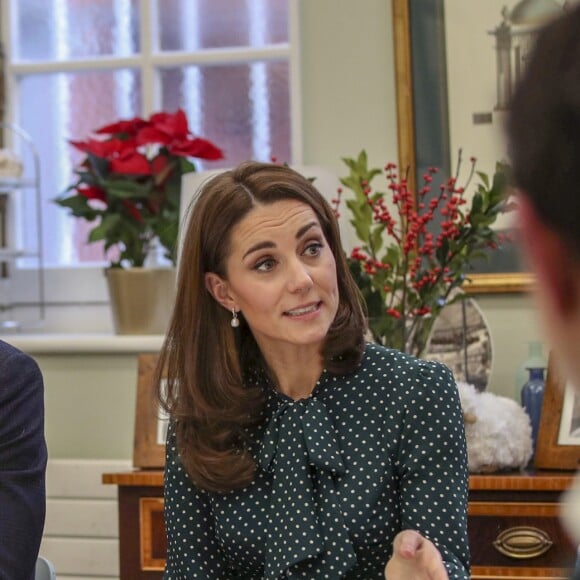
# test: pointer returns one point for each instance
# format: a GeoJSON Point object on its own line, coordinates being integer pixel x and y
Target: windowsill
{"type": "Point", "coordinates": [64, 343]}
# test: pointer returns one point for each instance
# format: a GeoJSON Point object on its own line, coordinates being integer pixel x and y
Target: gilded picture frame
{"type": "Point", "coordinates": [558, 444]}
{"type": "Point", "coordinates": [403, 17]}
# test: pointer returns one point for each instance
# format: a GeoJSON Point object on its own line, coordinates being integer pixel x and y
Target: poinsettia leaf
{"type": "Point", "coordinates": [162, 169]}
{"type": "Point", "coordinates": [74, 202]}
{"type": "Point", "coordinates": [86, 177]}
{"type": "Point", "coordinates": [99, 165]}
{"type": "Point", "coordinates": [102, 230]}
{"type": "Point", "coordinates": [186, 166]}
{"type": "Point", "coordinates": [128, 189]}
{"type": "Point", "coordinates": [167, 234]}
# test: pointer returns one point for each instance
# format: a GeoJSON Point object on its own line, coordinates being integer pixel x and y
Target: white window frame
{"type": "Point", "coordinates": [85, 285]}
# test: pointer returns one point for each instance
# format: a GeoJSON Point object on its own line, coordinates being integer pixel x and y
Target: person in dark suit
{"type": "Point", "coordinates": [544, 142]}
{"type": "Point", "coordinates": [23, 457]}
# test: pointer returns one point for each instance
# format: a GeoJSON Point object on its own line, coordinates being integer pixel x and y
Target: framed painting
{"type": "Point", "coordinates": [150, 421]}
{"type": "Point", "coordinates": [558, 444]}
{"type": "Point", "coordinates": [452, 89]}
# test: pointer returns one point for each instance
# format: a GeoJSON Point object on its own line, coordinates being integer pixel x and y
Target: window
{"type": "Point", "coordinates": [73, 65]}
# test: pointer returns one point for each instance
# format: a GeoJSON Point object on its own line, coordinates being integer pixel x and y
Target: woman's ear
{"type": "Point", "coordinates": [219, 289]}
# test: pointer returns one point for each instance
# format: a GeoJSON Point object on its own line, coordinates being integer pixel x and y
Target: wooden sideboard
{"type": "Point", "coordinates": [514, 527]}
{"type": "Point", "coordinates": [514, 530]}
{"type": "Point", "coordinates": [142, 541]}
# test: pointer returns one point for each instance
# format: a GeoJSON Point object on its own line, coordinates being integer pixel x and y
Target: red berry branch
{"type": "Point", "coordinates": [417, 248]}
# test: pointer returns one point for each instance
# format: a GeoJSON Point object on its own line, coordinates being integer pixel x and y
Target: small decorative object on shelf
{"type": "Point", "coordinates": [10, 165]}
{"type": "Point", "coordinates": [417, 248]}
{"type": "Point", "coordinates": [536, 359]}
{"type": "Point", "coordinates": [16, 185]}
{"type": "Point", "coordinates": [533, 397]}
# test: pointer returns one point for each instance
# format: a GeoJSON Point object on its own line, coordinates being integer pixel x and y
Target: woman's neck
{"type": "Point", "coordinates": [295, 375]}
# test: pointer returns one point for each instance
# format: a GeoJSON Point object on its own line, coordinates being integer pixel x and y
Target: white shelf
{"type": "Point", "coordinates": [85, 343]}
{"type": "Point", "coordinates": [16, 183]}
{"type": "Point", "coordinates": [10, 254]}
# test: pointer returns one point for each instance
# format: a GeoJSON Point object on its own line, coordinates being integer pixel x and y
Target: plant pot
{"type": "Point", "coordinates": [141, 299]}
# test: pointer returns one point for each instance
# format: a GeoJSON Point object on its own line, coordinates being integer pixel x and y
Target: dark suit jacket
{"type": "Point", "coordinates": [23, 458]}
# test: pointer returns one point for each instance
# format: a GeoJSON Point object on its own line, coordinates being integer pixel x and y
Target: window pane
{"type": "Point", "coordinates": [54, 109]}
{"type": "Point", "coordinates": [199, 24]}
{"type": "Point", "coordinates": [68, 29]}
{"type": "Point", "coordinates": [244, 109]}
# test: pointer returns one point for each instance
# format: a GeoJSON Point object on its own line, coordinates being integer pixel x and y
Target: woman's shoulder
{"type": "Point", "coordinates": [377, 354]}
{"type": "Point", "coordinates": [407, 368]}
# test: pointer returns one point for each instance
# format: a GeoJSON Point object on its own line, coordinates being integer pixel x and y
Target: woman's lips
{"type": "Point", "coordinates": [302, 310]}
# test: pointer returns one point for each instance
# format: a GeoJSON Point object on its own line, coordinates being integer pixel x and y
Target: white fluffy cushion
{"type": "Point", "coordinates": [498, 431]}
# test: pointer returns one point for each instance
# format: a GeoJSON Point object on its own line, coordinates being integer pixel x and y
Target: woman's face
{"type": "Point", "coordinates": [281, 274]}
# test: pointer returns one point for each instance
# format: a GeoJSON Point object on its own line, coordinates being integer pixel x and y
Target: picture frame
{"type": "Point", "coordinates": [558, 445]}
{"type": "Point", "coordinates": [420, 63]}
{"type": "Point", "coordinates": [150, 421]}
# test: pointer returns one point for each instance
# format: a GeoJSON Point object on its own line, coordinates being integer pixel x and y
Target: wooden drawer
{"type": "Point", "coordinates": [142, 540]}
{"type": "Point", "coordinates": [518, 539]}
{"type": "Point", "coordinates": [153, 542]}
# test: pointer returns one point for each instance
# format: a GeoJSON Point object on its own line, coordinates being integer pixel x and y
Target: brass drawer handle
{"type": "Point", "coordinates": [523, 542]}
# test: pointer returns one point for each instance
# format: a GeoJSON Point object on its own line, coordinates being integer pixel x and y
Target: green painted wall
{"type": "Point", "coordinates": [90, 404]}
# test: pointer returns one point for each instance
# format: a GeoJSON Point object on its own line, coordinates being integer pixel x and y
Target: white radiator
{"type": "Point", "coordinates": [81, 534]}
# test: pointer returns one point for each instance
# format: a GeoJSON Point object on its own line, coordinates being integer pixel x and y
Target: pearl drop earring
{"type": "Point", "coordinates": [235, 322]}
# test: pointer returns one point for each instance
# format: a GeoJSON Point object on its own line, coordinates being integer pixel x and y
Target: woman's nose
{"type": "Point", "coordinates": [299, 277]}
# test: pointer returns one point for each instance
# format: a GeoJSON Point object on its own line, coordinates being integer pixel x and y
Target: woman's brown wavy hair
{"type": "Point", "coordinates": [203, 360]}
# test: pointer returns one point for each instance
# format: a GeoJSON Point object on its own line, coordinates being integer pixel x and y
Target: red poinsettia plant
{"type": "Point", "coordinates": [129, 183]}
{"type": "Point", "coordinates": [417, 248]}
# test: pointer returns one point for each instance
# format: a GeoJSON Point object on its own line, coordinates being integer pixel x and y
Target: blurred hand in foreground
{"type": "Point", "coordinates": [414, 558]}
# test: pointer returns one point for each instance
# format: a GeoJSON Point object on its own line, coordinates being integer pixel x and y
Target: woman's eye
{"type": "Point", "coordinates": [313, 249]}
{"type": "Point", "coordinates": [264, 265]}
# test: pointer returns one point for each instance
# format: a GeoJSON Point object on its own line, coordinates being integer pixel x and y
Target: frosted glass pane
{"type": "Point", "coordinates": [244, 109]}
{"type": "Point", "coordinates": [68, 29]}
{"type": "Point", "coordinates": [54, 109]}
{"type": "Point", "coordinates": [199, 24]}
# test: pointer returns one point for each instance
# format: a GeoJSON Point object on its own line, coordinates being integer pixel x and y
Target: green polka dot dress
{"type": "Point", "coordinates": [339, 474]}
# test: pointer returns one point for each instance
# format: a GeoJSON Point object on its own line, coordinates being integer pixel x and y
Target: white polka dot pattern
{"type": "Point", "coordinates": [340, 473]}
{"type": "Point", "coordinates": [299, 448]}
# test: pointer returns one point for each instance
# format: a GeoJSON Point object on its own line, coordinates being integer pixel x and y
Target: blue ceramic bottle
{"type": "Point", "coordinates": [536, 359]}
{"type": "Point", "coordinates": [532, 398]}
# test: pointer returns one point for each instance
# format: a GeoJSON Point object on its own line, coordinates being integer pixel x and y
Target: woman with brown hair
{"type": "Point", "coordinates": [295, 448]}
